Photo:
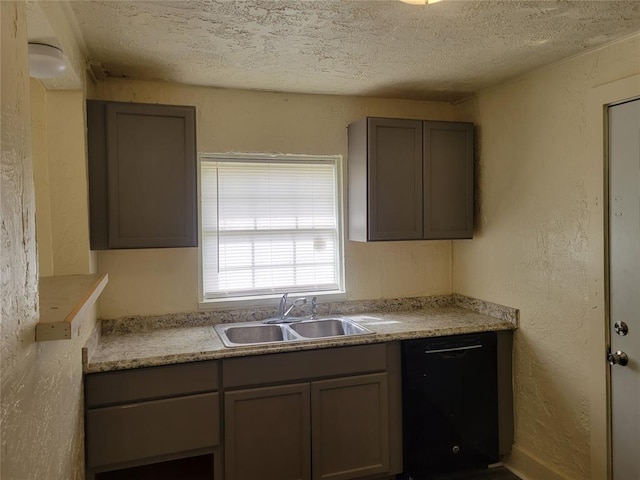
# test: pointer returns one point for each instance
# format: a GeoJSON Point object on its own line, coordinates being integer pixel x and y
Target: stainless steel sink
{"type": "Point", "coordinates": [258, 333]}
{"type": "Point", "coordinates": [234, 335]}
{"type": "Point", "coordinates": [328, 327]}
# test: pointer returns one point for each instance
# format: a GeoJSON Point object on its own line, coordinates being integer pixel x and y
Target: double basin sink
{"type": "Point", "coordinates": [259, 333]}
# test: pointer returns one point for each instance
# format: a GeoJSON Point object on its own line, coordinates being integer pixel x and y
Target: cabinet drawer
{"type": "Point", "coordinates": [151, 429]}
{"type": "Point", "coordinates": [285, 367]}
{"type": "Point", "coordinates": [141, 384]}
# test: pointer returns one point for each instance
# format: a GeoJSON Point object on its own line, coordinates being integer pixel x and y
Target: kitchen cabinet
{"type": "Point", "coordinates": [151, 415]}
{"type": "Point", "coordinates": [142, 175]}
{"type": "Point", "coordinates": [410, 179]}
{"type": "Point", "coordinates": [270, 426]}
{"type": "Point", "coordinates": [331, 413]}
{"type": "Point", "coordinates": [297, 424]}
{"type": "Point", "coordinates": [350, 426]}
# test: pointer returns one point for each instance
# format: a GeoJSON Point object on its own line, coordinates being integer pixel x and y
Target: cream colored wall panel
{"type": "Point", "coordinates": [149, 281]}
{"type": "Point", "coordinates": [41, 177]}
{"type": "Point", "coordinates": [412, 269]}
{"type": "Point", "coordinates": [372, 269]}
{"type": "Point", "coordinates": [540, 227]}
{"type": "Point", "coordinates": [66, 142]}
{"type": "Point", "coordinates": [164, 281]}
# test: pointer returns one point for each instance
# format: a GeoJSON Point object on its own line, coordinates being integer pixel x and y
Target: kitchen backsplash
{"type": "Point", "coordinates": [135, 324]}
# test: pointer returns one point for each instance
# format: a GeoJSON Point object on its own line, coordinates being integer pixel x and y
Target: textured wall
{"type": "Point", "coordinates": [41, 384]}
{"type": "Point", "coordinates": [159, 281]}
{"type": "Point", "coordinates": [538, 247]}
{"type": "Point", "coordinates": [18, 265]}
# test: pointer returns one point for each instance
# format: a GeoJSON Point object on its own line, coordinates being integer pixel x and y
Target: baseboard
{"type": "Point", "coordinates": [528, 467]}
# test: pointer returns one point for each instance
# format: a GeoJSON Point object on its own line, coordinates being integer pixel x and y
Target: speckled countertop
{"type": "Point", "coordinates": [142, 342]}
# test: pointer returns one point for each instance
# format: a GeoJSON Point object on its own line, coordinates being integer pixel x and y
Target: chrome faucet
{"type": "Point", "coordinates": [283, 305]}
{"type": "Point", "coordinates": [314, 308]}
{"type": "Point", "coordinates": [283, 311]}
{"type": "Point", "coordinates": [302, 300]}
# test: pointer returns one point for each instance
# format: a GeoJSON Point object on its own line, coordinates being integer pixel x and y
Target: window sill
{"type": "Point", "coordinates": [267, 300]}
{"type": "Point", "coordinates": [64, 300]}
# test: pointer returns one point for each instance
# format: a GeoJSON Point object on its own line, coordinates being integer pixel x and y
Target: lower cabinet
{"type": "Point", "coordinates": [267, 433]}
{"type": "Point", "coordinates": [350, 427]}
{"type": "Point", "coordinates": [153, 423]}
{"type": "Point", "coordinates": [325, 414]}
{"type": "Point", "coordinates": [330, 414]}
{"type": "Point", "coordinates": [334, 428]}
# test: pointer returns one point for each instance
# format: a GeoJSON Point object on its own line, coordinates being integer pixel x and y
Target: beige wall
{"type": "Point", "coordinates": [66, 135]}
{"type": "Point", "coordinates": [41, 384]}
{"type": "Point", "coordinates": [40, 154]}
{"type": "Point", "coordinates": [162, 281]}
{"type": "Point", "coordinates": [539, 247]}
{"type": "Point", "coordinates": [60, 175]}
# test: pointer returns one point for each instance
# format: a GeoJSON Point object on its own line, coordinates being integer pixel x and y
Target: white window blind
{"type": "Point", "coordinates": [269, 225]}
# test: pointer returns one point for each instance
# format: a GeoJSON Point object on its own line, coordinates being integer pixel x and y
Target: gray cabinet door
{"type": "Point", "coordinates": [350, 434]}
{"type": "Point", "coordinates": [448, 180]}
{"type": "Point", "coordinates": [395, 179]}
{"type": "Point", "coordinates": [142, 175]}
{"type": "Point", "coordinates": [267, 433]}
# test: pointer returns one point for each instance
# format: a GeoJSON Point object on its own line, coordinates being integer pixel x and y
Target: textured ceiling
{"type": "Point", "coordinates": [349, 47]}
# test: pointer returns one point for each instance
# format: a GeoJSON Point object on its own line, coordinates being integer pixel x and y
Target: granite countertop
{"type": "Point", "coordinates": [133, 343]}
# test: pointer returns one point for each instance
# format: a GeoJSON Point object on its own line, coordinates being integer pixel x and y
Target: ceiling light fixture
{"type": "Point", "coordinates": [46, 61]}
{"type": "Point", "coordinates": [420, 2]}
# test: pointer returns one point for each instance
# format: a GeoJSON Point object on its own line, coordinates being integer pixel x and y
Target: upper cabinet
{"type": "Point", "coordinates": [142, 175]}
{"type": "Point", "coordinates": [410, 180]}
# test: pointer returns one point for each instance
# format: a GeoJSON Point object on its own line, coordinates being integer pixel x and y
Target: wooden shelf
{"type": "Point", "coordinates": [64, 301]}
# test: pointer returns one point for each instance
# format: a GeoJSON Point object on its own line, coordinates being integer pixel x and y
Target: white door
{"type": "Point", "coordinates": [624, 287]}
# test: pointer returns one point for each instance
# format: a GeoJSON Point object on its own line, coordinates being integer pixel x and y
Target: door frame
{"type": "Point", "coordinates": [599, 99]}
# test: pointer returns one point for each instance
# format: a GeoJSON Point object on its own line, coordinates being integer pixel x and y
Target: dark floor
{"type": "Point", "coordinates": [201, 468]}
{"type": "Point", "coordinates": [497, 473]}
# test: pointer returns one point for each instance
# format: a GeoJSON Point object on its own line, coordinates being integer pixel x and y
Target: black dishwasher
{"type": "Point", "coordinates": [450, 404]}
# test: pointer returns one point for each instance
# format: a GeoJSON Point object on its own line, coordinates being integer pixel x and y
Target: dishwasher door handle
{"type": "Point", "coordinates": [455, 349]}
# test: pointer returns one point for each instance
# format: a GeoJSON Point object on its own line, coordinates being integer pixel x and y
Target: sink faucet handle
{"type": "Point", "coordinates": [283, 305]}
{"type": "Point", "coordinates": [314, 307]}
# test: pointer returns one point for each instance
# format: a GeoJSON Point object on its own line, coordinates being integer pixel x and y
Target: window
{"type": "Point", "coordinates": [270, 224]}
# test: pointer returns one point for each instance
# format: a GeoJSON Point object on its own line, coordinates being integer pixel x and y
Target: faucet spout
{"type": "Point", "coordinates": [302, 300]}
{"type": "Point", "coordinates": [283, 311]}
